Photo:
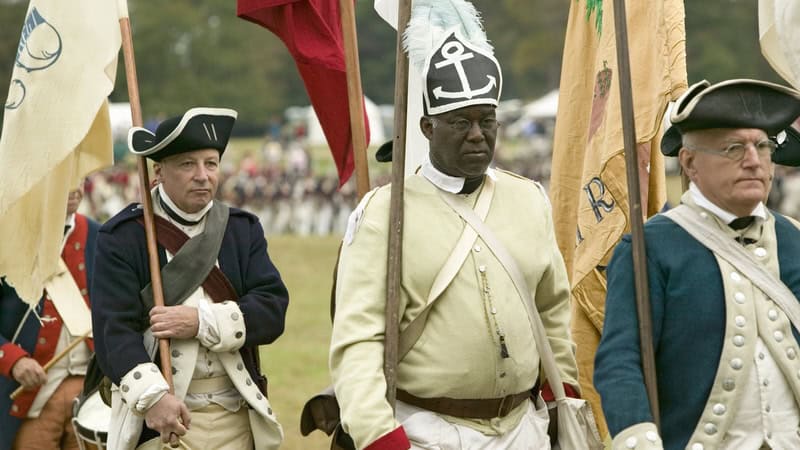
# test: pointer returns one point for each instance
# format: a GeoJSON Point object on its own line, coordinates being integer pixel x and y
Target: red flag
{"type": "Point", "coordinates": [312, 31]}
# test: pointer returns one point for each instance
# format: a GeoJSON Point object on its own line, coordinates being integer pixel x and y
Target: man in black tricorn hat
{"type": "Point", "coordinates": [724, 277]}
{"type": "Point", "coordinates": [469, 369]}
{"type": "Point", "coordinates": [224, 298]}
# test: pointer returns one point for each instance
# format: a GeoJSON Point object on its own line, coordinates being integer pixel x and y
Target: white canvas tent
{"type": "Point", "coordinates": [541, 110]}
{"type": "Point", "coordinates": [121, 121]}
{"type": "Point", "coordinates": [377, 133]}
{"type": "Point", "coordinates": [543, 107]}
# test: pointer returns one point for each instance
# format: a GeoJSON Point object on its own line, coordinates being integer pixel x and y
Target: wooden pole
{"type": "Point", "coordinates": [144, 187]}
{"type": "Point", "coordinates": [355, 96]}
{"type": "Point", "coordinates": [395, 257]}
{"type": "Point", "coordinates": [55, 359]}
{"type": "Point", "coordinates": [635, 211]}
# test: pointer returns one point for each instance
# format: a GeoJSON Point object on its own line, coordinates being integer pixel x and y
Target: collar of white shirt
{"type": "Point", "coordinates": [760, 211]}
{"type": "Point", "coordinates": [446, 182]}
{"type": "Point", "coordinates": [69, 227]}
{"type": "Point", "coordinates": [189, 217]}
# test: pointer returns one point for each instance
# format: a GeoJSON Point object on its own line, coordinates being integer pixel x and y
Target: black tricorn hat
{"type": "Point", "coordinates": [197, 129]}
{"type": "Point", "coordinates": [736, 103]}
{"type": "Point", "coordinates": [788, 151]}
{"type": "Point", "coordinates": [384, 153]}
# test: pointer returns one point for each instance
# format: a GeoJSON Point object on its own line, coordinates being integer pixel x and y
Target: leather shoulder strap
{"type": "Point", "coordinates": [410, 334]}
{"type": "Point", "coordinates": [738, 257]}
{"type": "Point", "coordinates": [194, 261]}
{"type": "Point", "coordinates": [507, 260]}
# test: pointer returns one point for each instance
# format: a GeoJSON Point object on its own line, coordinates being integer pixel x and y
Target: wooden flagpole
{"type": "Point", "coordinates": [635, 209]}
{"type": "Point", "coordinates": [355, 97]}
{"type": "Point", "coordinates": [55, 359]}
{"type": "Point", "coordinates": [395, 257]}
{"type": "Point", "coordinates": [144, 187]}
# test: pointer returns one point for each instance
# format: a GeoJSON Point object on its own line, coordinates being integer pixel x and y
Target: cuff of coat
{"type": "Point", "coordinates": [395, 440]}
{"type": "Point", "coordinates": [548, 396]}
{"type": "Point", "coordinates": [9, 355]}
{"type": "Point", "coordinates": [142, 387]}
{"type": "Point", "coordinates": [225, 329]}
{"type": "Point", "coordinates": [642, 436]}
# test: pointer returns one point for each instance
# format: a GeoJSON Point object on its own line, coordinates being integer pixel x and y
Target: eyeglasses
{"type": "Point", "coordinates": [487, 125]}
{"type": "Point", "coordinates": [737, 150]}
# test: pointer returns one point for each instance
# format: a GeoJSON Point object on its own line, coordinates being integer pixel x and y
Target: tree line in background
{"type": "Point", "coordinates": [197, 52]}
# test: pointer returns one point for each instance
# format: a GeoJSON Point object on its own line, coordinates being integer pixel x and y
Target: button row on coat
{"type": "Point", "coordinates": [633, 441]}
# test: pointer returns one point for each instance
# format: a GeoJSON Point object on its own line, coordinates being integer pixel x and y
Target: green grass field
{"type": "Point", "coordinates": [297, 363]}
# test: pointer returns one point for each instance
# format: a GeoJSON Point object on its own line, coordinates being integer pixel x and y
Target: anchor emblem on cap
{"type": "Point", "coordinates": [453, 53]}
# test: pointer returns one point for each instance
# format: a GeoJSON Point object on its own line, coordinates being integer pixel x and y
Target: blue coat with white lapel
{"type": "Point", "coordinates": [688, 310]}
{"type": "Point", "coordinates": [122, 271]}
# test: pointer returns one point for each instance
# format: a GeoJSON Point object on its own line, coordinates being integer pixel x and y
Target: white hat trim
{"type": "Point", "coordinates": [469, 102]}
{"type": "Point", "coordinates": [177, 131]}
{"type": "Point", "coordinates": [677, 117]}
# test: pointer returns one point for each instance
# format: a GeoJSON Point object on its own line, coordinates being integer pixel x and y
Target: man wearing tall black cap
{"type": "Point", "coordinates": [469, 376]}
{"type": "Point", "coordinates": [724, 276]}
{"type": "Point", "coordinates": [224, 298]}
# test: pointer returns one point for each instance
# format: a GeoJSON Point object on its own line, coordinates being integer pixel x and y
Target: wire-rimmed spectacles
{"type": "Point", "coordinates": [736, 151]}
{"type": "Point", "coordinates": [487, 124]}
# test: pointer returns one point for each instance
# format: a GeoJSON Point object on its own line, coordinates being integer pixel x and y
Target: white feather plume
{"type": "Point", "coordinates": [431, 19]}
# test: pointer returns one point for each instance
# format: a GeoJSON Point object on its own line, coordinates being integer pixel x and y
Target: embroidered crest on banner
{"type": "Point", "coordinates": [40, 46]}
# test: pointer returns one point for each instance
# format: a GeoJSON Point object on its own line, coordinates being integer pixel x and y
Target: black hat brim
{"type": "Point", "coordinates": [671, 142]}
{"type": "Point", "coordinates": [787, 153]}
{"type": "Point", "coordinates": [197, 129]}
{"type": "Point", "coordinates": [384, 153]}
{"type": "Point", "coordinates": [739, 103]}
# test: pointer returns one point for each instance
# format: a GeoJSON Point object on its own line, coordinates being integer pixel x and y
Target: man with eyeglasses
{"type": "Point", "coordinates": [727, 356]}
{"type": "Point", "coordinates": [470, 375]}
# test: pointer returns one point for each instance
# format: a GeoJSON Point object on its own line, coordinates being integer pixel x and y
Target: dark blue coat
{"type": "Point", "coordinates": [122, 270]}
{"type": "Point", "coordinates": [688, 311]}
{"type": "Point", "coordinates": [12, 311]}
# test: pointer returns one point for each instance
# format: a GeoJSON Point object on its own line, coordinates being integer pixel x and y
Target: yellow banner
{"type": "Point", "coordinates": [588, 185]}
{"type": "Point", "coordinates": [780, 37]}
{"type": "Point", "coordinates": [56, 130]}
